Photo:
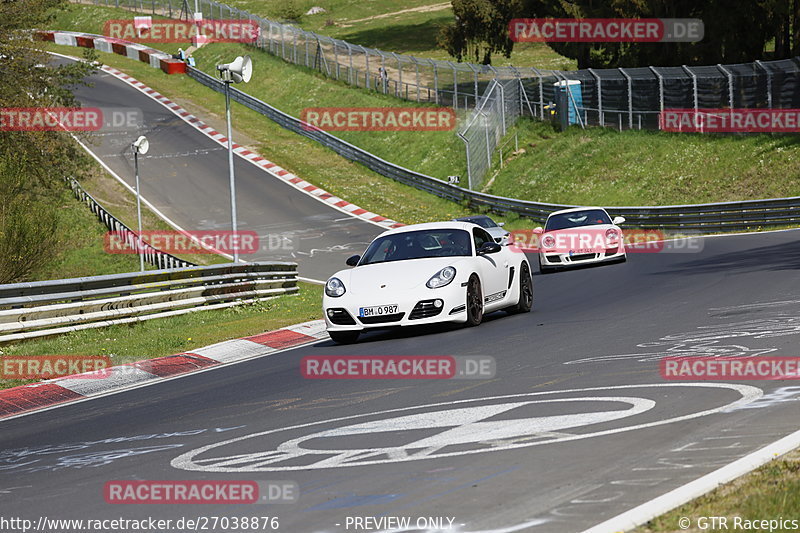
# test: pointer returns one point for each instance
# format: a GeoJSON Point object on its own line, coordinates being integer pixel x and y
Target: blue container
{"type": "Point", "coordinates": [574, 95]}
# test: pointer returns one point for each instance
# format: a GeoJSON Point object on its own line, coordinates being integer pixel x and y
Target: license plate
{"type": "Point", "coordinates": [581, 252]}
{"type": "Point", "coordinates": [377, 310]}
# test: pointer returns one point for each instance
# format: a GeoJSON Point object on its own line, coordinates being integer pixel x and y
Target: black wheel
{"type": "Point", "coordinates": [525, 302]}
{"type": "Point", "coordinates": [474, 301]}
{"type": "Point", "coordinates": [344, 337]}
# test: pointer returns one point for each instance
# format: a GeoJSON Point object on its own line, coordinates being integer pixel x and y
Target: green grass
{"type": "Point", "coordinates": [770, 493]}
{"type": "Point", "coordinates": [183, 333]}
{"type": "Point", "coordinates": [80, 247]}
{"type": "Point", "coordinates": [595, 166]}
{"type": "Point", "coordinates": [412, 33]}
{"type": "Point", "coordinates": [297, 154]}
{"type": "Point", "coordinates": [605, 167]}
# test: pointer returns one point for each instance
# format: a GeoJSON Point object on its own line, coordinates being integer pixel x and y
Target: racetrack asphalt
{"type": "Point", "coordinates": [185, 175]}
{"type": "Point", "coordinates": [586, 426]}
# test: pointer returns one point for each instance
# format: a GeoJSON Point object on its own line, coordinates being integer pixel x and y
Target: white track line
{"type": "Point", "coordinates": [677, 497]}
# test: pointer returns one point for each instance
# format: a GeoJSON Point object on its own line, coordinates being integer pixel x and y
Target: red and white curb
{"type": "Point", "coordinates": [71, 38]}
{"type": "Point", "coordinates": [44, 394]}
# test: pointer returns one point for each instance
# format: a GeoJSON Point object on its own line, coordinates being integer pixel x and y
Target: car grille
{"type": "Point", "coordinates": [340, 317]}
{"type": "Point", "coordinates": [612, 251]}
{"type": "Point", "coordinates": [582, 257]}
{"type": "Point", "coordinates": [425, 309]}
{"type": "Point", "coordinates": [554, 258]}
{"type": "Point", "coordinates": [380, 319]}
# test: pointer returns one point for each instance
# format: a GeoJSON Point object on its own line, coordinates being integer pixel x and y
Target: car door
{"type": "Point", "coordinates": [493, 269]}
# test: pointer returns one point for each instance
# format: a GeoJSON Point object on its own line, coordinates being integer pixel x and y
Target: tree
{"type": "Point", "coordinates": [32, 164]}
{"type": "Point", "coordinates": [735, 30]}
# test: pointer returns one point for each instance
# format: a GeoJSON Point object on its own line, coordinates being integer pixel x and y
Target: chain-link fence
{"type": "Point", "coordinates": [623, 98]}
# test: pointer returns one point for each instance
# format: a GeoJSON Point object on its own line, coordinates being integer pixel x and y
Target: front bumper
{"type": "Point", "coordinates": [413, 309]}
{"type": "Point", "coordinates": [566, 260]}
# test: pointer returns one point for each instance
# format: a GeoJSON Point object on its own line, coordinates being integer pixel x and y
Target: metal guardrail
{"type": "Point", "coordinates": [44, 308]}
{"type": "Point", "coordinates": [152, 255]}
{"type": "Point", "coordinates": [725, 216]}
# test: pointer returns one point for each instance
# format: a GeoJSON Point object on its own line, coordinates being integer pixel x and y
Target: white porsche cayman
{"type": "Point", "coordinates": [579, 236]}
{"type": "Point", "coordinates": [426, 273]}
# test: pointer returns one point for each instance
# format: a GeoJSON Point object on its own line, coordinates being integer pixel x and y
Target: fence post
{"type": "Point", "coordinates": [469, 166]}
{"type": "Point", "coordinates": [399, 87]}
{"type": "Point", "coordinates": [455, 85]}
{"type": "Point", "coordinates": [366, 60]}
{"type": "Point", "coordinates": [630, 97]}
{"type": "Point", "coordinates": [435, 81]}
{"type": "Point", "coordinates": [694, 87]}
{"type": "Point", "coordinates": [769, 82]}
{"type": "Point", "coordinates": [599, 96]}
{"type": "Point", "coordinates": [384, 83]}
{"type": "Point", "coordinates": [416, 66]}
{"type": "Point", "coordinates": [294, 45]}
{"type": "Point", "coordinates": [730, 87]}
{"type": "Point", "coordinates": [350, 57]}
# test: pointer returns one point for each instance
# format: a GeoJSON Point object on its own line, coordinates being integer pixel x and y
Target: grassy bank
{"type": "Point", "coordinates": [183, 333]}
{"type": "Point", "coordinates": [770, 493]}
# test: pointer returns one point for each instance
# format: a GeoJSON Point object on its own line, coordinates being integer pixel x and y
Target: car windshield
{"type": "Point", "coordinates": [418, 245]}
{"type": "Point", "coordinates": [576, 219]}
{"type": "Point", "coordinates": [484, 222]}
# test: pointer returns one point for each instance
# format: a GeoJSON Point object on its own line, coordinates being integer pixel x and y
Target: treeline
{"type": "Point", "coordinates": [33, 164]}
{"type": "Point", "coordinates": [735, 30]}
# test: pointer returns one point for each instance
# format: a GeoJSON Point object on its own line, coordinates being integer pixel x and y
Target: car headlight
{"type": "Point", "coordinates": [334, 288]}
{"type": "Point", "coordinates": [549, 241]}
{"type": "Point", "coordinates": [442, 278]}
{"type": "Point", "coordinates": [612, 235]}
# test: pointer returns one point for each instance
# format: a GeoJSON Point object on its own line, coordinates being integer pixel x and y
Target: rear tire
{"type": "Point", "coordinates": [525, 302]}
{"type": "Point", "coordinates": [344, 337]}
{"type": "Point", "coordinates": [474, 301]}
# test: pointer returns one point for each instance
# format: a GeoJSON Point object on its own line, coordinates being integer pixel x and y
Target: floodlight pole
{"type": "Point", "coordinates": [235, 239]}
{"type": "Point", "coordinates": [139, 243]}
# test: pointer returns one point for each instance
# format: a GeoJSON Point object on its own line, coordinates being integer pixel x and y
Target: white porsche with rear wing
{"type": "Point", "coordinates": [426, 273]}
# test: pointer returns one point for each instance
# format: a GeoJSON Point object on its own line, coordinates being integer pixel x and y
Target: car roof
{"type": "Point", "coordinates": [466, 226]}
{"type": "Point", "coordinates": [472, 217]}
{"type": "Point", "coordinates": [573, 209]}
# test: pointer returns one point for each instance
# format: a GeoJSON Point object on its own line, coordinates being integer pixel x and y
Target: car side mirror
{"type": "Point", "coordinates": [501, 224]}
{"type": "Point", "coordinates": [538, 231]}
{"type": "Point", "coordinates": [353, 260]}
{"type": "Point", "coordinates": [490, 247]}
{"type": "Point", "coordinates": [618, 220]}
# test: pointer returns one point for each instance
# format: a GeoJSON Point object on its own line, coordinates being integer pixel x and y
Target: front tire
{"type": "Point", "coordinates": [474, 301]}
{"type": "Point", "coordinates": [344, 337]}
{"type": "Point", "coordinates": [525, 302]}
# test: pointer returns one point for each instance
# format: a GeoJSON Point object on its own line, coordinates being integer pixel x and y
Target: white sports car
{"type": "Point", "coordinates": [426, 273]}
{"type": "Point", "coordinates": [580, 236]}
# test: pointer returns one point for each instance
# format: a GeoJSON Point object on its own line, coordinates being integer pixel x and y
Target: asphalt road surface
{"type": "Point", "coordinates": [185, 175]}
{"type": "Point", "coordinates": [576, 426]}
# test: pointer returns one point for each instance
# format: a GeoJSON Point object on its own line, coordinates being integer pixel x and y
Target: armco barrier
{"type": "Point", "coordinates": [713, 217]}
{"type": "Point", "coordinates": [42, 308]}
{"type": "Point", "coordinates": [152, 256]}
